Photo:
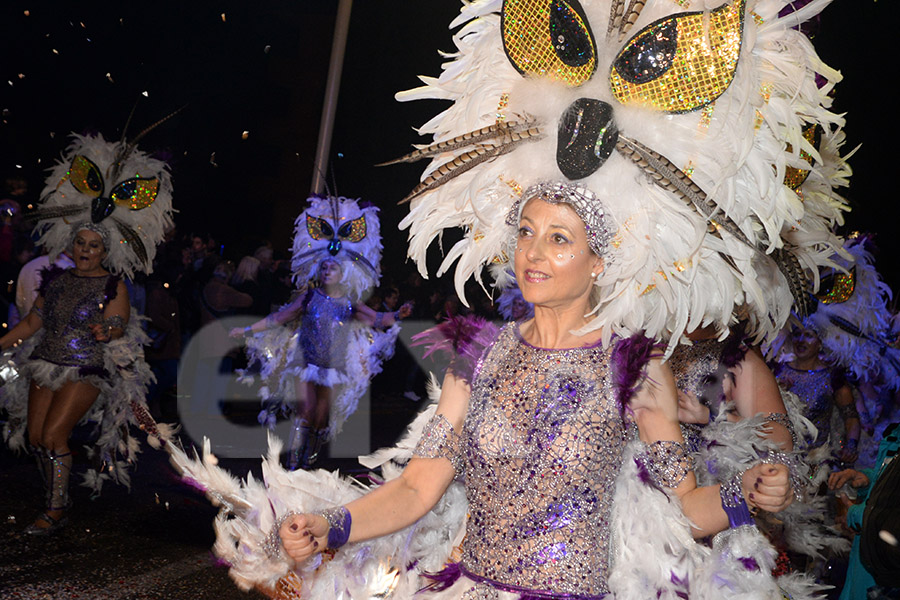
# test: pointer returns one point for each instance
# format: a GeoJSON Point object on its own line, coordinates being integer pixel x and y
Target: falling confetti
{"type": "Point", "coordinates": [223, 17]}
{"type": "Point", "coordinates": [245, 135]}
{"type": "Point", "coordinates": [267, 48]}
{"type": "Point", "coordinates": [109, 76]}
{"type": "Point", "coordinates": [212, 159]}
{"type": "Point", "coordinates": [145, 94]}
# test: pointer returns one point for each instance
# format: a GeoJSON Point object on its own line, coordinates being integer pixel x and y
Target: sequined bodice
{"type": "Point", "coordinates": [543, 442]}
{"type": "Point", "coordinates": [71, 305]}
{"type": "Point", "coordinates": [697, 369]}
{"type": "Point", "coordinates": [325, 330]}
{"type": "Point", "coordinates": [817, 395]}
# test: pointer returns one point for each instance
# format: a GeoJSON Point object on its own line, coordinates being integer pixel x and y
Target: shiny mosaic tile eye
{"type": "Point", "coordinates": [353, 231]}
{"type": "Point", "coordinates": [837, 287]}
{"type": "Point", "coordinates": [85, 176]}
{"type": "Point", "coordinates": [680, 63]}
{"type": "Point", "coordinates": [136, 193]}
{"type": "Point", "coordinates": [318, 229]}
{"type": "Point", "coordinates": [549, 38]}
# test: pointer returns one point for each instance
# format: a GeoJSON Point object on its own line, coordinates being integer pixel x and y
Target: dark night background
{"type": "Point", "coordinates": [262, 69]}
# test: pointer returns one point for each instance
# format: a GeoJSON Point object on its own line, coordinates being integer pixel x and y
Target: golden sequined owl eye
{"type": "Point", "coordinates": [85, 176]}
{"type": "Point", "coordinates": [318, 229]}
{"type": "Point", "coordinates": [837, 287]}
{"type": "Point", "coordinates": [549, 38]}
{"type": "Point", "coordinates": [680, 63]}
{"type": "Point", "coordinates": [135, 194]}
{"type": "Point", "coordinates": [353, 231]}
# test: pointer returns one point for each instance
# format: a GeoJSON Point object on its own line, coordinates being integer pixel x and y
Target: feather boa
{"type": "Point", "coordinates": [652, 552]}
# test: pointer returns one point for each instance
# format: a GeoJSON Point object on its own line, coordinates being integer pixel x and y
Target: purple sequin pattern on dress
{"type": "Point", "coordinates": [815, 389]}
{"type": "Point", "coordinates": [71, 305]}
{"type": "Point", "coordinates": [543, 442]}
{"type": "Point", "coordinates": [325, 331]}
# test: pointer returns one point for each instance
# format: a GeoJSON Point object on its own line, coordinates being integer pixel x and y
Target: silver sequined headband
{"type": "Point", "coordinates": [585, 204]}
{"type": "Point", "coordinates": [97, 228]}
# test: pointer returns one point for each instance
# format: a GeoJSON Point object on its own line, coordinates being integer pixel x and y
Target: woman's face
{"type": "Point", "coordinates": [806, 344]}
{"type": "Point", "coordinates": [88, 251]}
{"type": "Point", "coordinates": [553, 261]}
{"type": "Point", "coordinates": [330, 273]}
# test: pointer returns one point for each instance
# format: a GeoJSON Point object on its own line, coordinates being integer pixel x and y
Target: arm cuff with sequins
{"type": "Point", "coordinates": [667, 462]}
{"type": "Point", "coordinates": [440, 440]}
{"type": "Point", "coordinates": [114, 321]}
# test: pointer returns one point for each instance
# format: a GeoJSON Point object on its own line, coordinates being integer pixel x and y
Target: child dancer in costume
{"type": "Point", "coordinates": [79, 351]}
{"type": "Point", "coordinates": [679, 182]}
{"type": "Point", "coordinates": [337, 343]}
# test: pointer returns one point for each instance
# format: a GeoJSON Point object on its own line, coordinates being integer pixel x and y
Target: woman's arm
{"type": "Point", "coordinates": [655, 407]}
{"type": "Point", "coordinates": [380, 320]}
{"type": "Point", "coordinates": [25, 328]}
{"type": "Point", "coordinates": [115, 316]}
{"type": "Point", "coordinates": [755, 391]}
{"type": "Point", "coordinates": [394, 505]}
{"type": "Point", "coordinates": [846, 405]}
{"type": "Point", "coordinates": [276, 319]}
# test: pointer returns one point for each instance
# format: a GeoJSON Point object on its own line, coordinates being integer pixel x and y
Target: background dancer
{"type": "Point", "coordinates": [318, 367]}
{"type": "Point", "coordinates": [106, 205]}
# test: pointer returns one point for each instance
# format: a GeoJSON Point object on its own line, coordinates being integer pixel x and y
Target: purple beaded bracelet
{"type": "Point", "coordinates": [339, 522]}
{"type": "Point", "coordinates": [733, 502]}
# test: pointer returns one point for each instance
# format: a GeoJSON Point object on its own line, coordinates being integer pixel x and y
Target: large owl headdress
{"type": "Point", "coordinates": [703, 128]}
{"type": "Point", "coordinates": [112, 188]}
{"type": "Point", "coordinates": [338, 228]}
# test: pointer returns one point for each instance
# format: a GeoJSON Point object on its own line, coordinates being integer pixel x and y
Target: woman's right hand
{"type": "Point", "coordinates": [237, 332]}
{"type": "Point", "coordinates": [304, 535]}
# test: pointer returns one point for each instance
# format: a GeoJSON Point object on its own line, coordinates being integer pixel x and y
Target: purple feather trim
{"type": "Point", "coordinates": [443, 579]}
{"type": "Point", "coordinates": [749, 563]}
{"type": "Point", "coordinates": [461, 339]}
{"type": "Point", "coordinates": [48, 274]}
{"type": "Point", "coordinates": [112, 288]}
{"type": "Point", "coordinates": [735, 348]}
{"type": "Point", "coordinates": [629, 359]}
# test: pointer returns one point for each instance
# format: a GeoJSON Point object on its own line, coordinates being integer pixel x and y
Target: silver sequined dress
{"type": "Point", "coordinates": [322, 339]}
{"type": "Point", "coordinates": [542, 446]}
{"type": "Point", "coordinates": [71, 304]}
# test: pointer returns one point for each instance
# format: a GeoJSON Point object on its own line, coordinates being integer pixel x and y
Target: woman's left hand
{"type": "Point", "coordinates": [101, 332]}
{"type": "Point", "coordinates": [405, 310]}
{"type": "Point", "coordinates": [768, 487]}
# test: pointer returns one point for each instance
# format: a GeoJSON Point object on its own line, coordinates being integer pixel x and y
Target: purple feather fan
{"type": "Point", "coordinates": [461, 339]}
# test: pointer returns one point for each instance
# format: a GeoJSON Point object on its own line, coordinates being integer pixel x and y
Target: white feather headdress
{"type": "Point", "coordinates": [703, 127]}
{"type": "Point", "coordinates": [112, 188]}
{"type": "Point", "coordinates": [338, 228]}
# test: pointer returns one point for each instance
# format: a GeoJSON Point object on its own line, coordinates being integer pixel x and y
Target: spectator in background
{"type": "Point", "coordinates": [246, 280]}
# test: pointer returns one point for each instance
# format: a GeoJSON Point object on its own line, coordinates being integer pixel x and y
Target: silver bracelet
{"type": "Point", "coordinates": [272, 543]}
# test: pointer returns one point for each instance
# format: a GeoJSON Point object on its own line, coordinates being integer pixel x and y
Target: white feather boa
{"type": "Point", "coordinates": [652, 552]}
{"type": "Point", "coordinates": [121, 403]}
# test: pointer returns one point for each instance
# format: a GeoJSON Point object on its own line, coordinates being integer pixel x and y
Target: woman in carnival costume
{"type": "Point", "coordinates": [681, 181]}
{"type": "Point", "coordinates": [336, 343]}
{"type": "Point", "coordinates": [846, 338]}
{"type": "Point", "coordinates": [79, 352]}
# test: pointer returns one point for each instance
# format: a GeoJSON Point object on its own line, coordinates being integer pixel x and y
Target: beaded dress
{"type": "Point", "coordinates": [71, 304]}
{"type": "Point", "coordinates": [323, 336]}
{"type": "Point", "coordinates": [540, 451]}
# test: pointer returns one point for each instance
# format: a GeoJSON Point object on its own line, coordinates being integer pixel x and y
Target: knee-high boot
{"type": "Point", "coordinates": [300, 433]}
{"type": "Point", "coordinates": [317, 439]}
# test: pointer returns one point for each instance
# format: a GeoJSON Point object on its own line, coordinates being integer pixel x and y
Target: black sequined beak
{"type": "Point", "coordinates": [101, 208]}
{"type": "Point", "coordinates": [586, 138]}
